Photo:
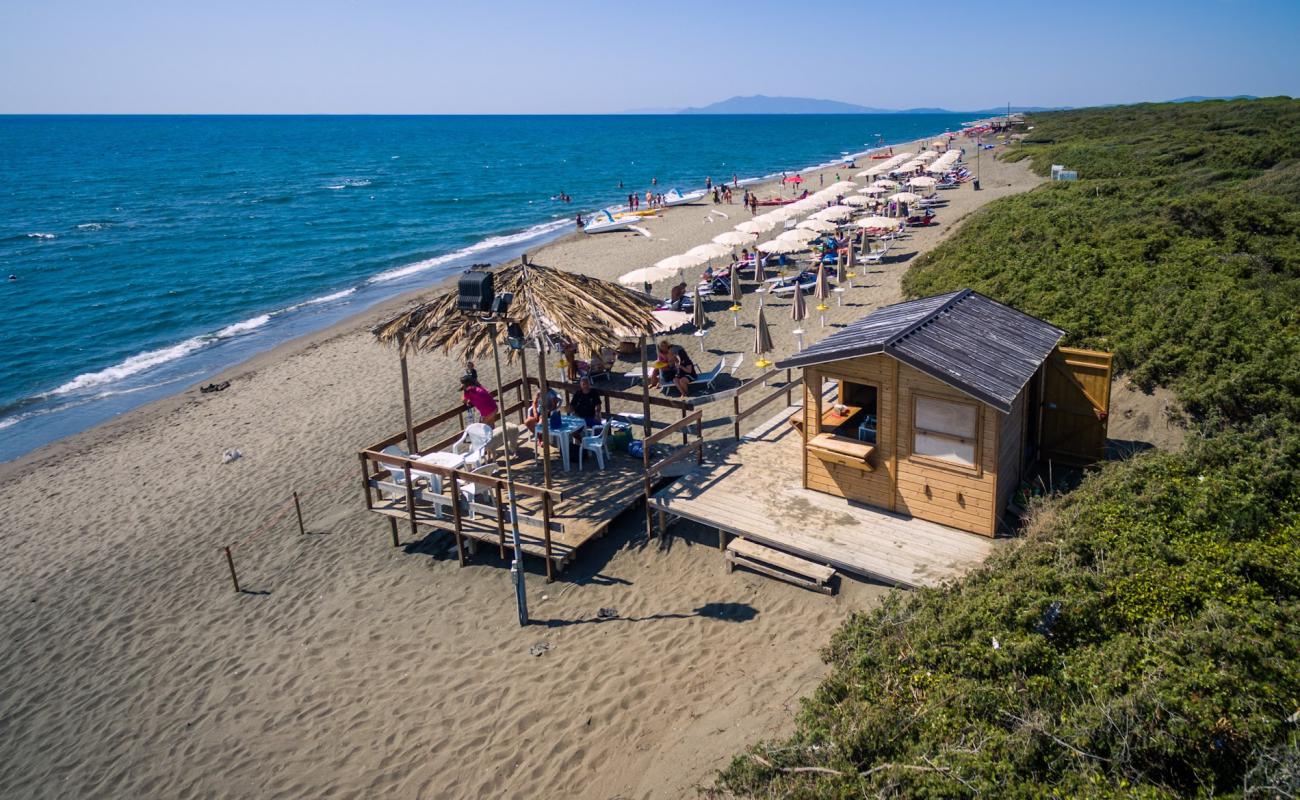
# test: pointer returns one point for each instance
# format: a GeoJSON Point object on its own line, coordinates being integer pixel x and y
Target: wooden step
{"type": "Point", "coordinates": [779, 565]}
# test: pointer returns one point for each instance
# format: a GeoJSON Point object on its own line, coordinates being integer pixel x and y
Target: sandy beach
{"type": "Point", "coordinates": [352, 668]}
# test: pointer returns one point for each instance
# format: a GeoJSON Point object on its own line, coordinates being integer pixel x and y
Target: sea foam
{"type": "Point", "coordinates": [489, 243]}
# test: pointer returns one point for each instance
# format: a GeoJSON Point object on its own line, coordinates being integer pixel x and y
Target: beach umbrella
{"type": "Point", "coordinates": [799, 234]}
{"type": "Point", "coordinates": [923, 182]}
{"type": "Point", "coordinates": [774, 218]}
{"type": "Point", "coordinates": [792, 179]}
{"type": "Point", "coordinates": [885, 183]}
{"type": "Point", "coordinates": [756, 226]}
{"type": "Point", "coordinates": [709, 251]}
{"type": "Point", "coordinates": [669, 321]}
{"type": "Point", "coordinates": [734, 238]}
{"type": "Point", "coordinates": [858, 200]}
{"type": "Point", "coordinates": [676, 263]}
{"type": "Point", "coordinates": [817, 225]}
{"type": "Point", "coordinates": [759, 277]}
{"type": "Point", "coordinates": [779, 245]}
{"type": "Point", "coordinates": [825, 195]}
{"type": "Point", "coordinates": [646, 276]}
{"type": "Point", "coordinates": [834, 213]}
{"type": "Point", "coordinates": [798, 312]}
{"type": "Point", "coordinates": [822, 292]}
{"type": "Point", "coordinates": [762, 340]}
{"type": "Point", "coordinates": [804, 205]}
{"type": "Point", "coordinates": [842, 186]}
{"type": "Point", "coordinates": [876, 222]}
{"type": "Point", "coordinates": [904, 197]}
{"type": "Point", "coordinates": [872, 191]}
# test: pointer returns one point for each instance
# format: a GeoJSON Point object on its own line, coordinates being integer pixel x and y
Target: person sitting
{"type": "Point", "coordinates": [533, 416]}
{"type": "Point", "coordinates": [476, 397]}
{"type": "Point", "coordinates": [678, 370]}
{"type": "Point", "coordinates": [585, 403]}
{"type": "Point", "coordinates": [678, 297]}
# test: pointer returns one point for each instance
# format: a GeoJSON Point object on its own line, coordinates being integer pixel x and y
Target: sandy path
{"type": "Point", "coordinates": [131, 669]}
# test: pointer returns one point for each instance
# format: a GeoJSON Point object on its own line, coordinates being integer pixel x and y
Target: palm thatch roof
{"type": "Point", "coordinates": [548, 303]}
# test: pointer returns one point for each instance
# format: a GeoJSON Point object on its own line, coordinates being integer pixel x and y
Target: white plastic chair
{"type": "Point", "coordinates": [596, 441]}
{"type": "Point", "coordinates": [473, 443]}
{"type": "Point", "coordinates": [472, 492]}
{"type": "Point", "coordinates": [732, 361]}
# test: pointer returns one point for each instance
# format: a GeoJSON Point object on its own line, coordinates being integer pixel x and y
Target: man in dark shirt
{"type": "Point", "coordinates": [586, 403]}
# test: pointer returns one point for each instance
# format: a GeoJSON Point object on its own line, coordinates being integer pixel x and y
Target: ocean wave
{"type": "Point", "coordinates": [94, 226]}
{"type": "Point", "coordinates": [131, 366]}
{"type": "Point", "coordinates": [478, 247]}
{"type": "Point", "coordinates": [349, 183]}
{"type": "Point", "coordinates": [247, 325]}
{"type": "Point", "coordinates": [316, 301]}
{"type": "Point", "coordinates": [42, 236]}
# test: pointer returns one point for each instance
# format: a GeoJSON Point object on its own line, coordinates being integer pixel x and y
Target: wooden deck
{"type": "Point", "coordinates": [753, 489]}
{"type": "Point", "coordinates": [593, 498]}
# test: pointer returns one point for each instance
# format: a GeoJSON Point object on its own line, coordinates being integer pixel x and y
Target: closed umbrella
{"type": "Point", "coordinates": [762, 340]}
{"type": "Point", "coordinates": [697, 312]}
{"type": "Point", "coordinates": [822, 292]}
{"type": "Point", "coordinates": [736, 296]}
{"type": "Point", "coordinates": [798, 311]}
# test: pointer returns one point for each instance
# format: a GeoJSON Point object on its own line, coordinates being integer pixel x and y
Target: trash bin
{"type": "Point", "coordinates": [976, 184]}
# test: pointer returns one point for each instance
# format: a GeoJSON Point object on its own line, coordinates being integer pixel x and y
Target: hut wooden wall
{"type": "Point", "coordinates": [962, 498]}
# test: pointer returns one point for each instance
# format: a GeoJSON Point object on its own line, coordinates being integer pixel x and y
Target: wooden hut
{"type": "Point", "coordinates": [939, 406]}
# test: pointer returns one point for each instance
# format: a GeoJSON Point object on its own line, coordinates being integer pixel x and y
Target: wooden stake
{"type": "Point", "coordinates": [230, 562]}
{"type": "Point", "coordinates": [297, 507]}
{"type": "Point", "coordinates": [546, 534]}
{"type": "Point", "coordinates": [392, 526]}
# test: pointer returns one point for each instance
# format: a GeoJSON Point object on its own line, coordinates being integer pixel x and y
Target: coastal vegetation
{"type": "Point", "coordinates": [1140, 639]}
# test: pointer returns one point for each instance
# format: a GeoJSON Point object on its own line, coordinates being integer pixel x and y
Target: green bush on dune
{"type": "Point", "coordinates": [1143, 638]}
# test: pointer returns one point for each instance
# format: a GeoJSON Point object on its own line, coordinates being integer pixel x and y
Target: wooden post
{"type": "Point", "coordinates": [685, 433]}
{"type": "Point", "coordinates": [649, 515]}
{"type": "Point", "coordinates": [365, 482]}
{"type": "Point", "coordinates": [544, 424]}
{"type": "Point", "coordinates": [392, 528]}
{"type": "Point", "coordinates": [546, 536]}
{"type": "Point", "coordinates": [230, 562]}
{"type": "Point", "coordinates": [455, 516]}
{"type": "Point", "coordinates": [645, 388]}
{"type": "Point", "coordinates": [298, 508]}
{"type": "Point", "coordinates": [789, 390]}
{"type": "Point", "coordinates": [523, 371]}
{"type": "Point", "coordinates": [410, 498]}
{"type": "Point", "coordinates": [501, 522]}
{"type": "Point", "coordinates": [735, 400]}
{"type": "Point", "coordinates": [406, 407]}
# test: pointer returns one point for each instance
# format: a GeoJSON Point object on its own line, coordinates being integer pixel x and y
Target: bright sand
{"type": "Point", "coordinates": [131, 669]}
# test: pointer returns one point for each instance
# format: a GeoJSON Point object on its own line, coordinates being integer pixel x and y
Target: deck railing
{"type": "Point", "coordinates": [786, 389]}
{"type": "Point", "coordinates": [654, 469]}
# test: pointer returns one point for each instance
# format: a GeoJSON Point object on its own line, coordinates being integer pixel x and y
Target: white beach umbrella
{"type": "Point", "coordinates": [709, 250]}
{"type": "Point", "coordinates": [734, 238]}
{"type": "Point", "coordinates": [842, 186]}
{"type": "Point", "coordinates": [779, 245]}
{"type": "Point", "coordinates": [905, 197]}
{"type": "Point", "coordinates": [834, 213]}
{"type": "Point", "coordinates": [817, 225]}
{"type": "Point", "coordinates": [877, 222]}
{"type": "Point", "coordinates": [756, 225]}
{"type": "Point", "coordinates": [640, 277]}
{"type": "Point", "coordinates": [872, 191]}
{"type": "Point", "coordinates": [804, 206]}
{"type": "Point", "coordinates": [675, 263]}
{"type": "Point", "coordinates": [780, 214]}
{"type": "Point", "coordinates": [798, 235]}
{"type": "Point", "coordinates": [923, 182]}
{"type": "Point", "coordinates": [885, 183]}
{"type": "Point", "coordinates": [825, 195]}
{"type": "Point", "coordinates": [866, 173]}
{"type": "Point", "coordinates": [858, 200]}
{"type": "Point", "coordinates": [927, 157]}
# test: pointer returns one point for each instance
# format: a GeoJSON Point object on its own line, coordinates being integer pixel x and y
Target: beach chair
{"type": "Point", "coordinates": [706, 379]}
{"type": "Point", "coordinates": [472, 492]}
{"type": "Point", "coordinates": [596, 442]}
{"type": "Point", "coordinates": [731, 362]}
{"type": "Point", "coordinates": [474, 443]}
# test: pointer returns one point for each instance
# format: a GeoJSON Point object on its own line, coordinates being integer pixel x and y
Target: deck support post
{"type": "Point", "coordinates": [365, 483]}
{"type": "Point", "coordinates": [546, 536]}
{"type": "Point", "coordinates": [410, 497]}
{"type": "Point", "coordinates": [455, 518]}
{"type": "Point", "coordinates": [406, 406]}
{"type": "Point", "coordinates": [789, 390]}
{"type": "Point", "coordinates": [501, 521]}
{"type": "Point", "coordinates": [645, 386]}
{"type": "Point", "coordinates": [544, 424]}
{"type": "Point", "coordinates": [392, 528]}
{"type": "Point", "coordinates": [735, 407]}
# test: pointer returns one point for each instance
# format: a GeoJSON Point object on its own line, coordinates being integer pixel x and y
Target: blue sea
{"type": "Point", "coordinates": [150, 252]}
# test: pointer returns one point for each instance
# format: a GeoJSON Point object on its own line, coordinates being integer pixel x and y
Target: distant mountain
{"type": "Point", "coordinates": [652, 111]}
{"type": "Point", "coordinates": [761, 104]}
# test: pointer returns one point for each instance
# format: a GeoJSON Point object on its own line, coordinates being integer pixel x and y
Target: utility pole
{"type": "Point", "coordinates": [517, 565]}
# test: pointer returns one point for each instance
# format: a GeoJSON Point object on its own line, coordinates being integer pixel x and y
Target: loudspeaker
{"type": "Point", "coordinates": [475, 292]}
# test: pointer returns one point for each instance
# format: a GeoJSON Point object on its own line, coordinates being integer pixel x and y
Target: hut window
{"type": "Point", "coordinates": [946, 430]}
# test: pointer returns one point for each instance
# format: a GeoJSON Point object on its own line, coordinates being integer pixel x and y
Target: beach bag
{"type": "Point", "coordinates": [636, 448]}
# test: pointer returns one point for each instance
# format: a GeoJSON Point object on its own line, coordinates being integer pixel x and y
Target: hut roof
{"type": "Point", "coordinates": [549, 304]}
{"type": "Point", "coordinates": [973, 344]}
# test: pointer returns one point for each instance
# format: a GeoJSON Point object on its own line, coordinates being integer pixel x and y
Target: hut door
{"type": "Point", "coordinates": [1075, 405]}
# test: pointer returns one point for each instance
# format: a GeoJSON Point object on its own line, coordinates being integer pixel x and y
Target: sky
{"type": "Point", "coordinates": [435, 57]}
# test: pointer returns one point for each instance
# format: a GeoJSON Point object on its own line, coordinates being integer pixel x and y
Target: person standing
{"type": "Point", "coordinates": [476, 397]}
{"type": "Point", "coordinates": [708, 183]}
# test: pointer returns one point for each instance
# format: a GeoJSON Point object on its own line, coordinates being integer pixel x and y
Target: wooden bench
{"type": "Point", "coordinates": [779, 565]}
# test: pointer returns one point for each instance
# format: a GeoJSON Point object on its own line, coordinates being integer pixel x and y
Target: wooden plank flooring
{"type": "Point", "coordinates": [593, 498]}
{"type": "Point", "coordinates": [756, 491]}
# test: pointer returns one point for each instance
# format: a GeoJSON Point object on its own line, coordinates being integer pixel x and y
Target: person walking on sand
{"type": "Point", "coordinates": [708, 183]}
{"type": "Point", "coordinates": [735, 182]}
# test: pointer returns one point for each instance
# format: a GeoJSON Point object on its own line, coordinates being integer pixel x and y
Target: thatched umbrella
{"type": "Point", "coordinates": [549, 305]}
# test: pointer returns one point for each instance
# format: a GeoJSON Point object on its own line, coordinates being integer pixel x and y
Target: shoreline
{"type": "Point", "coordinates": [178, 389]}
